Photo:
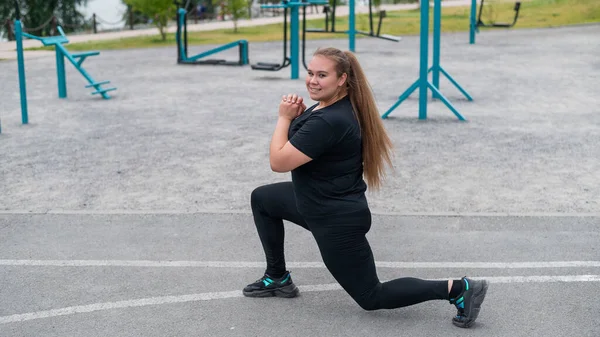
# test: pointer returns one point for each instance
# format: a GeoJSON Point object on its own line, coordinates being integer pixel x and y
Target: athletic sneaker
{"type": "Point", "coordinates": [469, 302]}
{"type": "Point", "coordinates": [268, 286]}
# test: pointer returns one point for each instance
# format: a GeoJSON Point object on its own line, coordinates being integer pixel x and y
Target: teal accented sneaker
{"type": "Point", "coordinates": [469, 302]}
{"type": "Point", "coordinates": [268, 287]}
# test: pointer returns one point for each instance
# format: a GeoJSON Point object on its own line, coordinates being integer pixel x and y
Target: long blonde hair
{"type": "Point", "coordinates": [377, 146]}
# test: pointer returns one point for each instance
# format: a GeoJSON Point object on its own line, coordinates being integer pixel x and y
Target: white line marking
{"type": "Point", "coordinates": [250, 264]}
{"type": "Point", "coordinates": [248, 212]}
{"type": "Point", "coordinates": [235, 294]}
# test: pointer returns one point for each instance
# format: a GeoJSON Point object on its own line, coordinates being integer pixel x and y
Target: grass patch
{"type": "Point", "coordinates": [533, 14]}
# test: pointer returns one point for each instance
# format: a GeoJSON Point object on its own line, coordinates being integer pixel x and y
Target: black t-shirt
{"type": "Point", "coordinates": [332, 183]}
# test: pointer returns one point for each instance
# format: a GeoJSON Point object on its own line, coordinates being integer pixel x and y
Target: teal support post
{"type": "Point", "coordinates": [60, 74]}
{"type": "Point", "coordinates": [436, 68]}
{"type": "Point", "coordinates": [295, 40]}
{"type": "Point", "coordinates": [423, 64]}
{"type": "Point", "coordinates": [437, 27]}
{"type": "Point", "coordinates": [21, 66]}
{"type": "Point", "coordinates": [351, 26]}
{"type": "Point", "coordinates": [473, 22]}
{"type": "Point", "coordinates": [423, 82]}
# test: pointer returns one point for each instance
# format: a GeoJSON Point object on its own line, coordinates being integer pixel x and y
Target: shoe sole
{"type": "Point", "coordinates": [288, 291]}
{"type": "Point", "coordinates": [476, 301]}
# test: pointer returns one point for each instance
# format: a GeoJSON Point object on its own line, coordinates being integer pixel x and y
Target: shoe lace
{"type": "Point", "coordinates": [262, 279]}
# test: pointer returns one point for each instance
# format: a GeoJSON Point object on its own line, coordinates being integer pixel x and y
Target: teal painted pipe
{"type": "Point", "coordinates": [245, 52]}
{"type": "Point", "coordinates": [352, 27]}
{"type": "Point", "coordinates": [294, 41]}
{"type": "Point", "coordinates": [60, 73]}
{"type": "Point", "coordinates": [21, 65]}
{"type": "Point", "coordinates": [217, 50]}
{"type": "Point", "coordinates": [424, 59]}
{"type": "Point", "coordinates": [473, 22]}
{"type": "Point", "coordinates": [437, 27]}
{"type": "Point", "coordinates": [181, 17]}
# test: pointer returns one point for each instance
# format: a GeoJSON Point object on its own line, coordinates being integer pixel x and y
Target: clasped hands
{"type": "Point", "coordinates": [291, 106]}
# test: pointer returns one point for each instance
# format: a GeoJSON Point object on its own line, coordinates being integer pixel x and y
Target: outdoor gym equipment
{"type": "Point", "coordinates": [423, 83]}
{"type": "Point", "coordinates": [75, 59]}
{"type": "Point", "coordinates": [294, 59]}
{"type": "Point", "coordinates": [352, 29]}
{"type": "Point", "coordinates": [476, 21]}
{"type": "Point", "coordinates": [61, 53]}
{"type": "Point", "coordinates": [182, 47]}
{"type": "Point", "coordinates": [287, 61]}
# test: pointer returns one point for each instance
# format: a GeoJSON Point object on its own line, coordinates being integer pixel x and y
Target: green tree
{"type": "Point", "coordinates": [37, 15]}
{"type": "Point", "coordinates": [133, 18]}
{"type": "Point", "coordinates": [237, 9]}
{"type": "Point", "coordinates": [160, 11]}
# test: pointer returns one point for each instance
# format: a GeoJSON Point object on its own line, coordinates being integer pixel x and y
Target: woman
{"type": "Point", "coordinates": [328, 148]}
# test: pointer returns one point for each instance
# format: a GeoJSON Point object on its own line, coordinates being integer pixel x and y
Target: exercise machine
{"type": "Point", "coordinates": [182, 47]}
{"type": "Point", "coordinates": [293, 59]}
{"type": "Point", "coordinates": [371, 33]}
{"type": "Point", "coordinates": [476, 21]}
{"type": "Point", "coordinates": [480, 23]}
{"type": "Point", "coordinates": [75, 59]}
{"type": "Point", "coordinates": [61, 53]}
{"type": "Point", "coordinates": [287, 61]}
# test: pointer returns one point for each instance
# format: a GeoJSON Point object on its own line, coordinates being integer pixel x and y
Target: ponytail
{"type": "Point", "coordinates": [377, 146]}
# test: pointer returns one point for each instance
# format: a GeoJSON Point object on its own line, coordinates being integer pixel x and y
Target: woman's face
{"type": "Point", "coordinates": [322, 81]}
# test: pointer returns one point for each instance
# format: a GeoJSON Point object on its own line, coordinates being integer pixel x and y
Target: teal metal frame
{"type": "Point", "coordinates": [294, 6]}
{"type": "Point", "coordinates": [75, 59]}
{"type": "Point", "coordinates": [351, 26]}
{"type": "Point", "coordinates": [473, 28]}
{"type": "Point", "coordinates": [181, 37]}
{"type": "Point", "coordinates": [475, 20]}
{"type": "Point", "coordinates": [423, 83]}
{"type": "Point", "coordinates": [352, 31]}
{"type": "Point", "coordinates": [21, 66]}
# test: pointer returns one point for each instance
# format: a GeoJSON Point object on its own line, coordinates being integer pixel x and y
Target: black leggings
{"type": "Point", "coordinates": [344, 249]}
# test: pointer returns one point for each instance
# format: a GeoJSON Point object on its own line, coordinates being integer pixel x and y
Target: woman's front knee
{"type": "Point", "coordinates": [267, 193]}
{"type": "Point", "coordinates": [369, 301]}
{"type": "Point", "coordinates": [257, 196]}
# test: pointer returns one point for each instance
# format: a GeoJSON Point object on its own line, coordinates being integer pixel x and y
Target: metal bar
{"type": "Point", "coordinates": [424, 60]}
{"type": "Point", "coordinates": [464, 92]}
{"type": "Point", "coordinates": [402, 97]}
{"type": "Point", "coordinates": [445, 100]}
{"type": "Point", "coordinates": [21, 65]}
{"type": "Point", "coordinates": [473, 22]}
{"type": "Point", "coordinates": [352, 27]}
{"type": "Point", "coordinates": [214, 51]}
{"type": "Point", "coordinates": [60, 72]}
{"type": "Point", "coordinates": [294, 44]}
{"type": "Point", "coordinates": [437, 18]}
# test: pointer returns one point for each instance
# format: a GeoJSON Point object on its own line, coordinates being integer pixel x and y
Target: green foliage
{"type": "Point", "coordinates": [534, 14]}
{"type": "Point", "coordinates": [36, 16]}
{"type": "Point", "coordinates": [160, 11]}
{"type": "Point", "coordinates": [237, 9]}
